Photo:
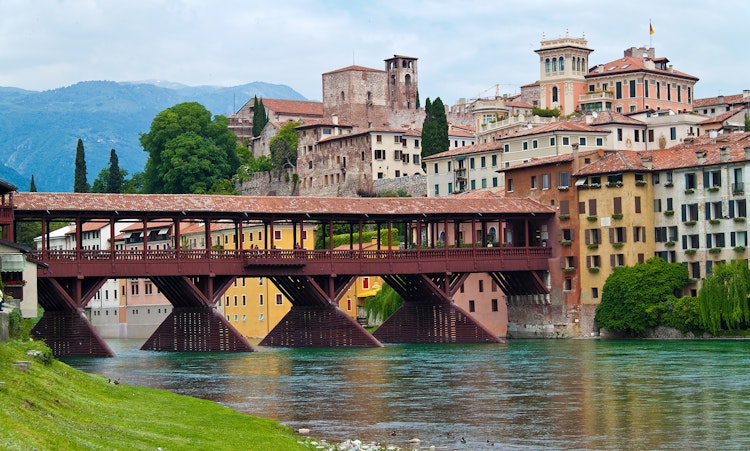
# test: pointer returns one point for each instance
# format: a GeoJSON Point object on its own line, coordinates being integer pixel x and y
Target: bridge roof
{"type": "Point", "coordinates": [96, 205]}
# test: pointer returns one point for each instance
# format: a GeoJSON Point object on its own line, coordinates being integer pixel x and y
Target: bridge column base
{"type": "Point", "coordinates": [432, 323]}
{"type": "Point", "coordinates": [318, 326]}
{"type": "Point", "coordinates": [70, 334]}
{"type": "Point", "coordinates": [196, 329]}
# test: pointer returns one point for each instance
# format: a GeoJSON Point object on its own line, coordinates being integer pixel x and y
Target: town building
{"type": "Point", "coordinates": [715, 106]}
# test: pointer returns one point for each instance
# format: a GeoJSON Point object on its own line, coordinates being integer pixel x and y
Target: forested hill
{"type": "Point", "coordinates": [39, 130]}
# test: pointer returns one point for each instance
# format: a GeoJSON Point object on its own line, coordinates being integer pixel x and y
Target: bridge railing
{"type": "Point", "coordinates": [289, 256]}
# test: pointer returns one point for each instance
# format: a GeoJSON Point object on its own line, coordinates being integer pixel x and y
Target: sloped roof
{"type": "Point", "coordinates": [609, 117]}
{"type": "Point", "coordinates": [721, 117]}
{"type": "Point", "coordinates": [630, 64]}
{"type": "Point", "coordinates": [702, 151]}
{"type": "Point", "coordinates": [561, 126]}
{"type": "Point", "coordinates": [620, 161]}
{"type": "Point", "coordinates": [466, 150]}
{"type": "Point", "coordinates": [545, 161]}
{"type": "Point", "coordinates": [714, 101]}
{"type": "Point", "coordinates": [354, 68]}
{"type": "Point", "coordinates": [294, 107]}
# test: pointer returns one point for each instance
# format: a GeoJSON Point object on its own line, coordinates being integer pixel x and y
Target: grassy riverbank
{"type": "Point", "coordinates": [51, 406]}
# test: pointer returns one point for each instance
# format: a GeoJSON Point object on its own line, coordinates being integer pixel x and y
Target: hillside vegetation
{"type": "Point", "coordinates": [51, 406]}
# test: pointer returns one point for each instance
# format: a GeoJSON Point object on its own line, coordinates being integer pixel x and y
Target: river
{"type": "Point", "coordinates": [521, 395]}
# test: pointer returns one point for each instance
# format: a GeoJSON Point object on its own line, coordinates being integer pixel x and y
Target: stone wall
{"type": "Point", "coordinates": [551, 321]}
{"type": "Point", "coordinates": [415, 185]}
{"type": "Point", "coordinates": [4, 326]}
{"type": "Point", "coordinates": [268, 184]}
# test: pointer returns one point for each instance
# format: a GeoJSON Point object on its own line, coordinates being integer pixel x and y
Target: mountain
{"type": "Point", "coordinates": [39, 130]}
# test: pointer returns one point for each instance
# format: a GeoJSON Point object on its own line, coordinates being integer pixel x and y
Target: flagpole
{"type": "Point", "coordinates": [650, 34]}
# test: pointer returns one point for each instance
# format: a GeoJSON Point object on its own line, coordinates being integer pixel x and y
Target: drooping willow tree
{"type": "Point", "coordinates": [723, 298]}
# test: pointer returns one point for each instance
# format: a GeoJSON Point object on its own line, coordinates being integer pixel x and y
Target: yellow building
{"type": "Point", "coordinates": [253, 305]}
{"type": "Point", "coordinates": [616, 209]}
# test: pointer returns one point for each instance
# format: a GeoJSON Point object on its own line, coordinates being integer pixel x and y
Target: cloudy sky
{"type": "Point", "coordinates": [465, 48]}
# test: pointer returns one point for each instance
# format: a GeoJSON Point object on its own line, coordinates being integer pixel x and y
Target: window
{"type": "Point", "coordinates": [509, 185]}
{"type": "Point", "coordinates": [552, 141]}
{"type": "Point", "coordinates": [595, 293]}
{"type": "Point", "coordinates": [639, 234]}
{"type": "Point", "coordinates": [260, 299]}
{"type": "Point", "coordinates": [564, 179]}
{"type": "Point", "coordinates": [566, 140]}
{"type": "Point", "coordinates": [279, 299]}
{"type": "Point", "coordinates": [484, 183]}
{"type": "Point", "coordinates": [657, 205]}
{"type": "Point", "coordinates": [545, 181]}
{"type": "Point", "coordinates": [713, 210]}
{"type": "Point", "coordinates": [592, 236]}
{"type": "Point", "coordinates": [738, 208]}
{"type": "Point", "coordinates": [535, 144]}
{"type": "Point", "coordinates": [483, 162]}
{"type": "Point", "coordinates": [690, 182]}
{"type": "Point", "coordinates": [525, 145]}
{"type": "Point", "coordinates": [690, 212]}
{"type": "Point", "coordinates": [471, 163]}
{"type": "Point", "coordinates": [494, 161]}
{"type": "Point", "coordinates": [494, 305]}
{"type": "Point", "coordinates": [471, 306]}
{"type": "Point", "coordinates": [582, 141]}
{"type": "Point", "coordinates": [711, 179]}
{"type": "Point", "coordinates": [277, 235]}
{"type": "Point", "coordinates": [738, 239]}
{"type": "Point", "coordinates": [506, 148]}
{"type": "Point", "coordinates": [617, 235]}
{"type": "Point", "coordinates": [691, 241]}
{"type": "Point", "coordinates": [450, 187]}
{"type": "Point", "coordinates": [593, 261]}
{"type": "Point", "coordinates": [673, 133]}
{"type": "Point", "coordinates": [715, 240]}
{"type": "Point", "coordinates": [592, 207]}
{"type": "Point", "coordinates": [631, 88]}
{"type": "Point", "coordinates": [494, 182]}
{"type": "Point", "coordinates": [481, 286]}
{"type": "Point", "coordinates": [379, 154]}
{"type": "Point", "coordinates": [599, 142]}
{"type": "Point", "coordinates": [533, 182]}
{"type": "Point", "coordinates": [616, 260]}
{"type": "Point", "coordinates": [437, 190]}
{"type": "Point", "coordinates": [435, 169]}
{"type": "Point", "coordinates": [567, 284]}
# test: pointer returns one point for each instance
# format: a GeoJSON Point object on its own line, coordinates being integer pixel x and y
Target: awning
{"type": "Point", "coordinates": [367, 293]}
{"type": "Point", "coordinates": [580, 182]}
{"type": "Point", "coordinates": [12, 262]}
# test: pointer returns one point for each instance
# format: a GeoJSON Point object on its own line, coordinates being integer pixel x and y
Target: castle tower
{"type": "Point", "coordinates": [402, 89]}
{"type": "Point", "coordinates": [563, 65]}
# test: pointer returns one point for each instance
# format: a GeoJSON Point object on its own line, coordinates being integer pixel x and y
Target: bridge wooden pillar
{"type": "Point", "coordinates": [315, 319]}
{"type": "Point", "coordinates": [194, 324]}
{"type": "Point", "coordinates": [64, 326]}
{"type": "Point", "coordinates": [428, 314]}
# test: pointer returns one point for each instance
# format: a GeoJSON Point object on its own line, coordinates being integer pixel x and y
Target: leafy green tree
{"type": "Point", "coordinates": [101, 182]}
{"type": "Point", "coordinates": [283, 146]}
{"type": "Point", "coordinates": [723, 298]}
{"type": "Point", "coordinates": [260, 117]}
{"type": "Point", "coordinates": [747, 122]}
{"type": "Point", "coordinates": [116, 176]}
{"type": "Point", "coordinates": [632, 296]}
{"type": "Point", "coordinates": [134, 184]}
{"type": "Point", "coordinates": [188, 151]}
{"type": "Point", "coordinates": [379, 307]}
{"type": "Point", "coordinates": [541, 112]}
{"type": "Point", "coordinates": [434, 129]}
{"type": "Point", "coordinates": [80, 184]}
{"type": "Point", "coordinates": [32, 185]}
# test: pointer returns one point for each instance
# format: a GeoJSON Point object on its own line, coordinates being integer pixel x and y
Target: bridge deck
{"type": "Point", "coordinates": [262, 262]}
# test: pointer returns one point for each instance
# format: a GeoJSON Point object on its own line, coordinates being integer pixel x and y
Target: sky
{"type": "Point", "coordinates": [465, 49]}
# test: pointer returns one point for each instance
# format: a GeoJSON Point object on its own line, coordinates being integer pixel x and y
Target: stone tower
{"type": "Point", "coordinates": [356, 94]}
{"type": "Point", "coordinates": [402, 82]}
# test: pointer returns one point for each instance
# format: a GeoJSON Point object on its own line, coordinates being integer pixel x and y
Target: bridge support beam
{"type": "Point", "coordinates": [315, 319]}
{"type": "Point", "coordinates": [428, 315]}
{"type": "Point", "coordinates": [194, 324]}
{"type": "Point", "coordinates": [63, 326]}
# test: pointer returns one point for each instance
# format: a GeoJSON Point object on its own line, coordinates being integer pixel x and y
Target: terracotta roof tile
{"type": "Point", "coordinates": [629, 64]}
{"type": "Point", "coordinates": [545, 161]}
{"type": "Point", "coordinates": [467, 150]}
{"type": "Point", "coordinates": [608, 117]}
{"type": "Point", "coordinates": [160, 206]}
{"type": "Point", "coordinates": [562, 126]}
{"type": "Point", "coordinates": [294, 107]}
{"type": "Point", "coordinates": [714, 101]}
{"type": "Point", "coordinates": [721, 117]}
{"type": "Point", "coordinates": [619, 161]}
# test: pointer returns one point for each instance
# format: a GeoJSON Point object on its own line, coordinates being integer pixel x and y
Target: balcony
{"type": "Point", "coordinates": [596, 96]}
{"type": "Point", "coordinates": [738, 188]}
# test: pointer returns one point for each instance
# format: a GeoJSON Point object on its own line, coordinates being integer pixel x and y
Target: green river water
{"type": "Point", "coordinates": [522, 395]}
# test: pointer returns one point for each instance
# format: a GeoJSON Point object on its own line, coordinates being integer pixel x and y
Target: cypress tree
{"type": "Point", "coordinates": [441, 141]}
{"type": "Point", "coordinates": [114, 184]}
{"type": "Point", "coordinates": [32, 185]}
{"type": "Point", "coordinates": [260, 118]}
{"type": "Point", "coordinates": [417, 101]}
{"type": "Point", "coordinates": [80, 184]}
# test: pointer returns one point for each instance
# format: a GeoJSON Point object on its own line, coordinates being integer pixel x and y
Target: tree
{"type": "Point", "coordinates": [383, 304]}
{"type": "Point", "coordinates": [723, 297]}
{"type": "Point", "coordinates": [435, 129]}
{"type": "Point", "coordinates": [188, 151]}
{"type": "Point", "coordinates": [116, 175]}
{"type": "Point", "coordinates": [80, 184]}
{"type": "Point", "coordinates": [32, 185]}
{"type": "Point", "coordinates": [633, 296]}
{"type": "Point", "coordinates": [283, 146]}
{"type": "Point", "coordinates": [101, 183]}
{"type": "Point", "coordinates": [417, 100]}
{"type": "Point", "coordinates": [260, 117]}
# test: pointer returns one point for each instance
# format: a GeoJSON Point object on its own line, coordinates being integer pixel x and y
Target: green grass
{"type": "Point", "coordinates": [55, 407]}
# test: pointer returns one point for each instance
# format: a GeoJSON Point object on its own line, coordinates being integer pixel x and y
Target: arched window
{"type": "Point", "coordinates": [343, 97]}
{"type": "Point", "coordinates": [369, 95]}
{"type": "Point", "coordinates": [562, 64]}
{"type": "Point", "coordinates": [491, 235]}
{"type": "Point", "coordinates": [407, 80]}
{"type": "Point", "coordinates": [554, 93]}
{"type": "Point", "coordinates": [546, 65]}
{"type": "Point", "coordinates": [554, 64]}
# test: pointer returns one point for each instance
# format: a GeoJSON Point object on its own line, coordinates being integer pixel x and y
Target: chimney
{"type": "Point", "coordinates": [646, 161]}
{"type": "Point", "coordinates": [335, 119]}
{"type": "Point", "coordinates": [720, 99]}
{"type": "Point", "coordinates": [701, 157]}
{"type": "Point", "coordinates": [724, 154]}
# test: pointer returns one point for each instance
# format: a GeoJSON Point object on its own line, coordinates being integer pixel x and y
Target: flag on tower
{"type": "Point", "coordinates": [650, 28]}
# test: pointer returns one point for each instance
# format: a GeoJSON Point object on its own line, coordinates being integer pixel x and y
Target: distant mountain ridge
{"type": "Point", "coordinates": [39, 130]}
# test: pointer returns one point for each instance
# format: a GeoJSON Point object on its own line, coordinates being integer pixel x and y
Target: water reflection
{"type": "Point", "coordinates": [572, 394]}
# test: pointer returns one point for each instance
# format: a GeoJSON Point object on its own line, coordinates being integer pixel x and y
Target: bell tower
{"type": "Point", "coordinates": [401, 72]}
{"type": "Point", "coordinates": [563, 66]}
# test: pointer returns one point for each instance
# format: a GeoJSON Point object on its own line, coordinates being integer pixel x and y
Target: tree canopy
{"type": "Point", "coordinates": [188, 151]}
{"type": "Point", "coordinates": [283, 146]}
{"type": "Point", "coordinates": [80, 183]}
{"type": "Point", "coordinates": [435, 128]}
{"type": "Point", "coordinates": [723, 299]}
{"type": "Point", "coordinates": [633, 296]}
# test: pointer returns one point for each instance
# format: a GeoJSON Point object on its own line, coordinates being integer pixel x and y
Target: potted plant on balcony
{"type": "Point", "coordinates": [617, 216]}
{"type": "Point", "coordinates": [618, 245]}
{"type": "Point", "coordinates": [668, 212]}
{"type": "Point", "coordinates": [690, 252]}
{"type": "Point", "coordinates": [594, 269]}
{"type": "Point", "coordinates": [591, 218]}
